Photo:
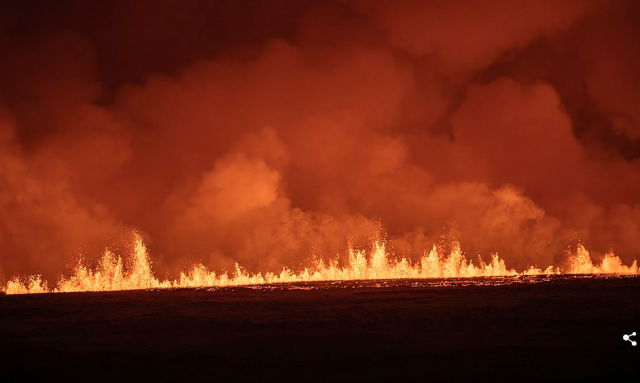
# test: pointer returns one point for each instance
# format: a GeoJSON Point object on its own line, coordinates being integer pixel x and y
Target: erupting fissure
{"type": "Point", "coordinates": [112, 275]}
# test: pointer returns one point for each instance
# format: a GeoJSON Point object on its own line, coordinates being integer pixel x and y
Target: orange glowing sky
{"type": "Point", "coordinates": [262, 132]}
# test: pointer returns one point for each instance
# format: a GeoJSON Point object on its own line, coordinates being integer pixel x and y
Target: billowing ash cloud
{"type": "Point", "coordinates": [229, 131]}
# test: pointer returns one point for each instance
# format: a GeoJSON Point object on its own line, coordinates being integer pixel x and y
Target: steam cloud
{"type": "Point", "coordinates": [262, 133]}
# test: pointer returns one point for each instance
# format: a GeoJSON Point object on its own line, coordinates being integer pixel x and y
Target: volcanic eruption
{"type": "Point", "coordinates": [321, 190]}
{"type": "Point", "coordinates": [266, 135]}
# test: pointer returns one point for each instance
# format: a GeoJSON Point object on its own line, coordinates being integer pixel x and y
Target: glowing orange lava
{"type": "Point", "coordinates": [112, 275]}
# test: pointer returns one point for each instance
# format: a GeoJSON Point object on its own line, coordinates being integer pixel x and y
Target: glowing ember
{"type": "Point", "coordinates": [111, 275]}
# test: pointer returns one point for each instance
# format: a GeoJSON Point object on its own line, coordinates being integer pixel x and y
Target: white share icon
{"type": "Point", "coordinates": [627, 338]}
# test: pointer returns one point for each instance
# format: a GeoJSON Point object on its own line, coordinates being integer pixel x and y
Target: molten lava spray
{"type": "Point", "coordinates": [110, 275]}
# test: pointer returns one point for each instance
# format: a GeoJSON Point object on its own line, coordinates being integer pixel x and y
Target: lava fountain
{"type": "Point", "coordinates": [113, 273]}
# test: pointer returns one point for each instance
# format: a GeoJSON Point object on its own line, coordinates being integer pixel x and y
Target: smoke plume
{"type": "Point", "coordinates": [267, 133]}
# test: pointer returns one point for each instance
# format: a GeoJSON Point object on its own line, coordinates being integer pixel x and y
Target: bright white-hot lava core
{"type": "Point", "coordinates": [113, 273]}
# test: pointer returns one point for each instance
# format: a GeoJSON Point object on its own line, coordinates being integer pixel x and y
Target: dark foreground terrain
{"type": "Point", "coordinates": [559, 329]}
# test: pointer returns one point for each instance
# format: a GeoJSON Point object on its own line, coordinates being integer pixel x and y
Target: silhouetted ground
{"type": "Point", "coordinates": [560, 329]}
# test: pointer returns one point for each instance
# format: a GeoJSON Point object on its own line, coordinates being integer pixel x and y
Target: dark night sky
{"type": "Point", "coordinates": [264, 131]}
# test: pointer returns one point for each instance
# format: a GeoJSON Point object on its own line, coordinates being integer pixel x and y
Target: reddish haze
{"type": "Point", "coordinates": [229, 131]}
